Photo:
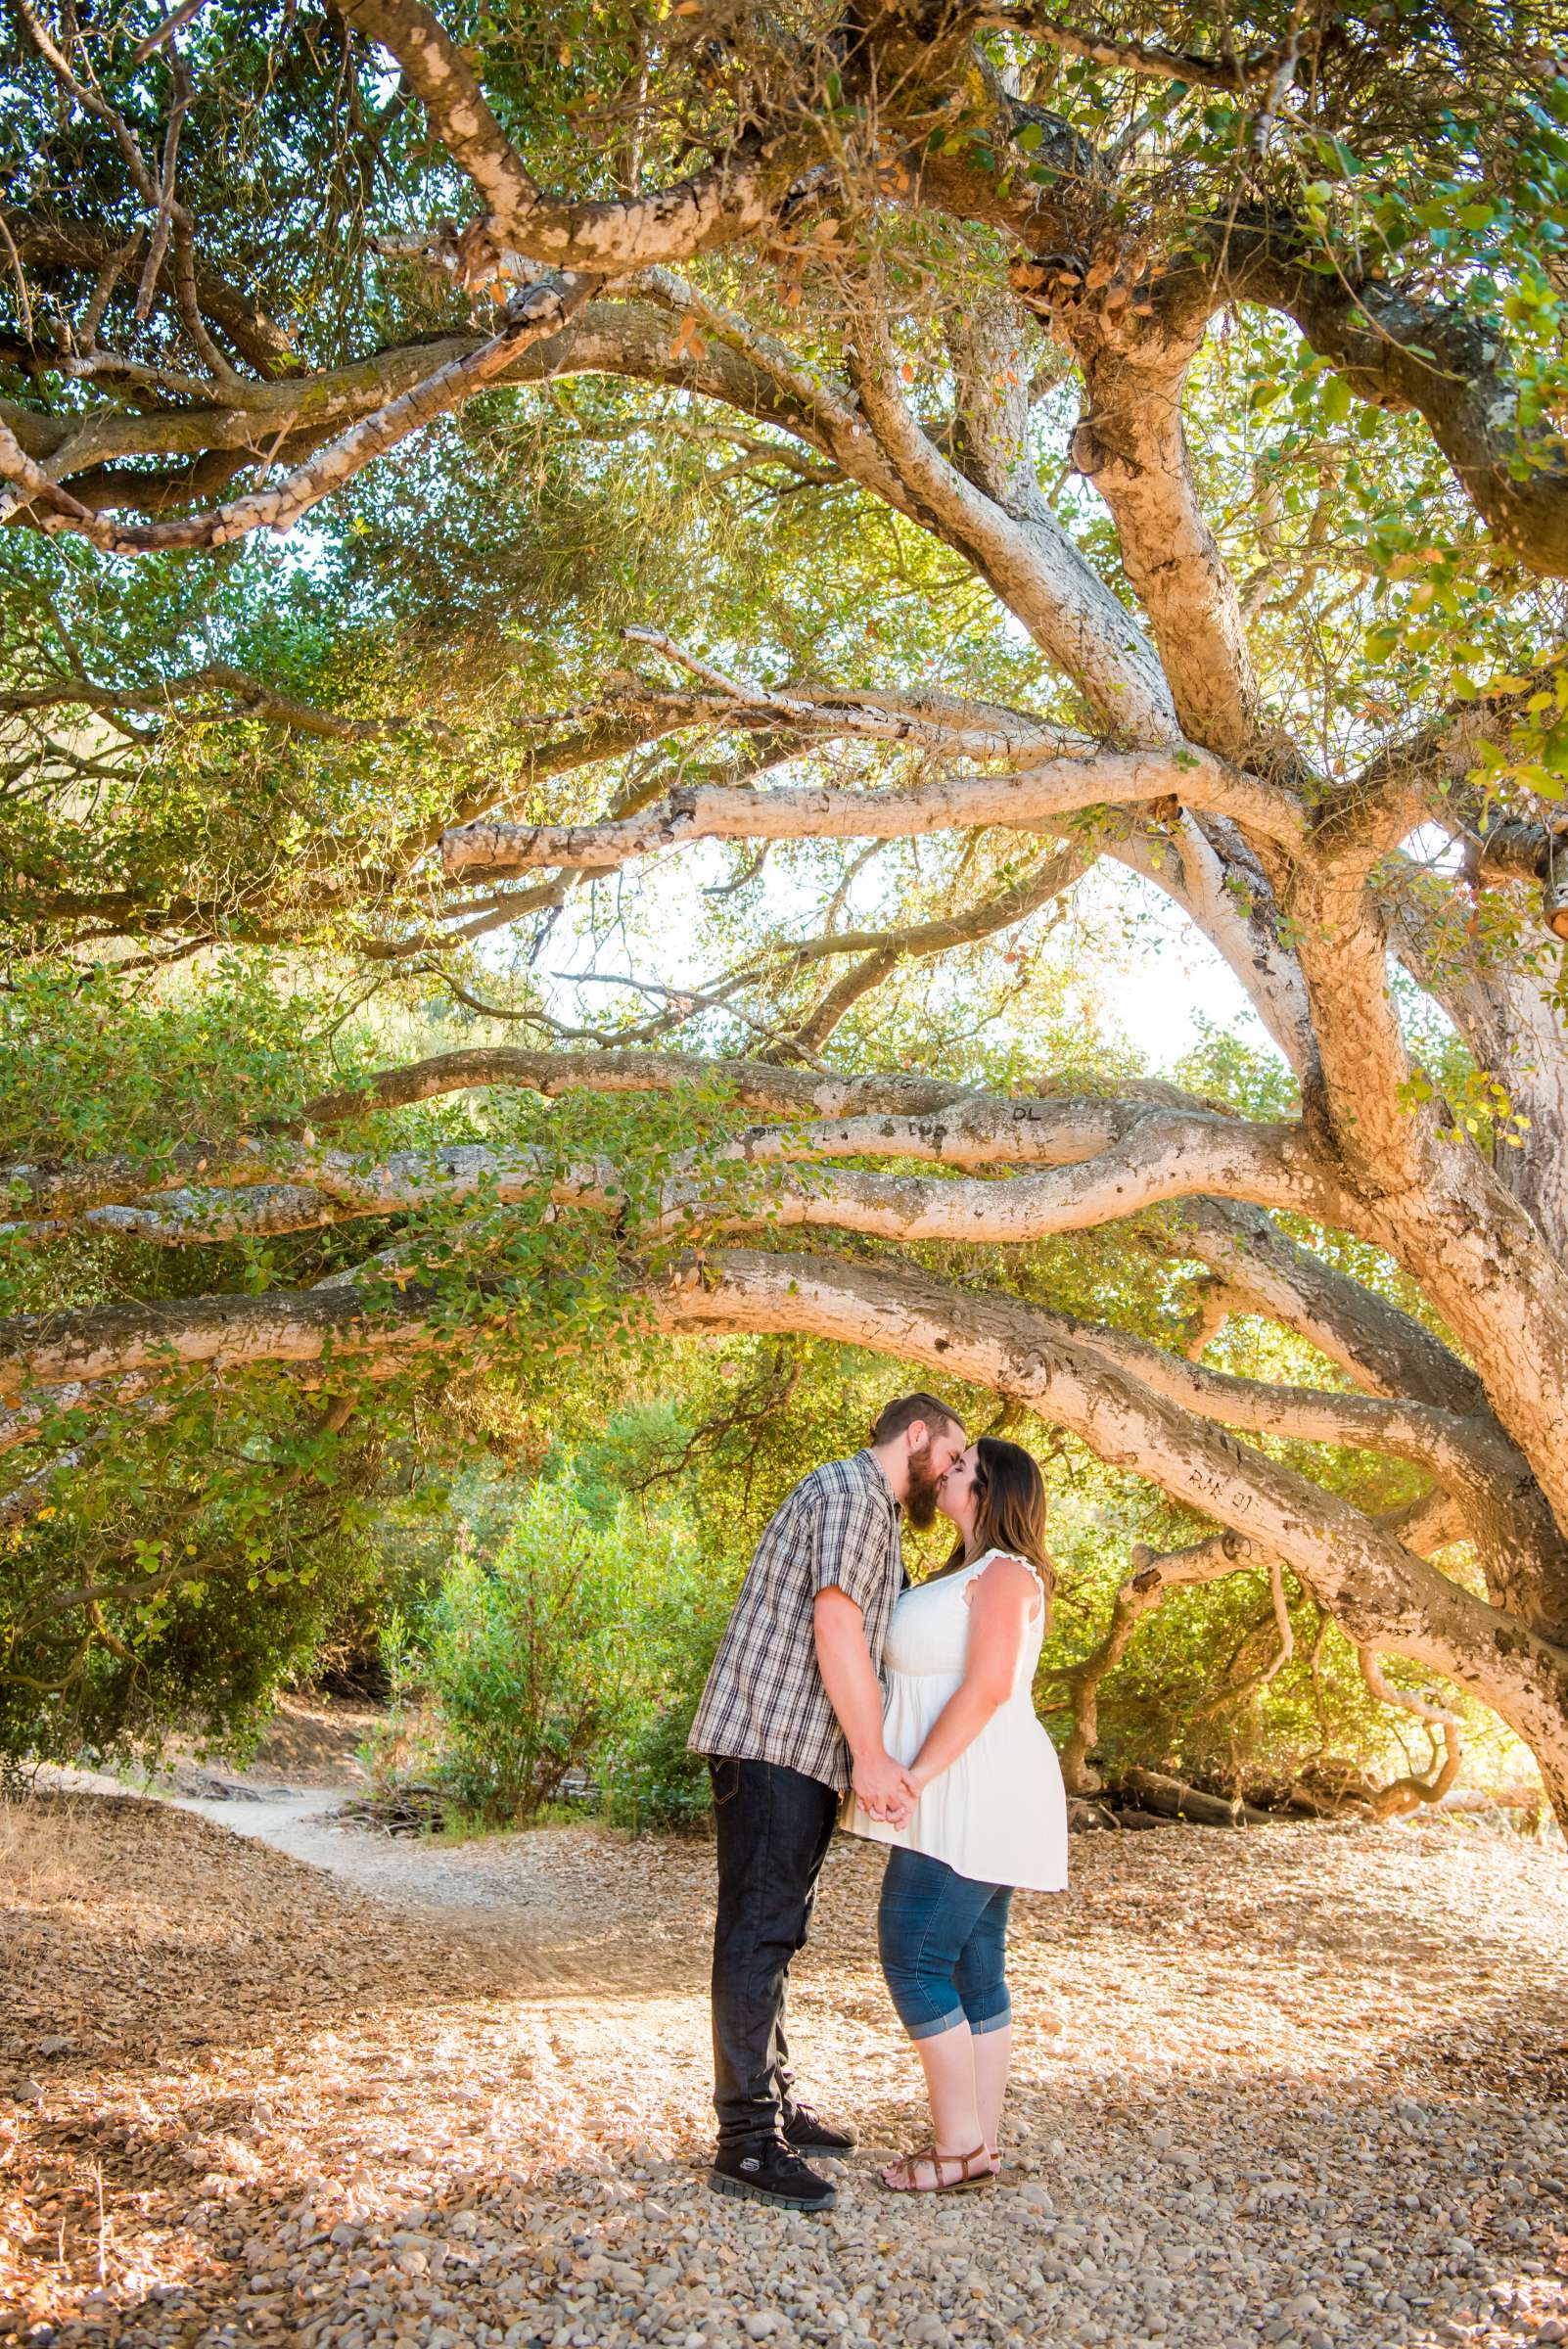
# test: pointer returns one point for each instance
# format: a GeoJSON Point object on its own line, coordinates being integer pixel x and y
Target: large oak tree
{"type": "Point", "coordinates": [1036, 444]}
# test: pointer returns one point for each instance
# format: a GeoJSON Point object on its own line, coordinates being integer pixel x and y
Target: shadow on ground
{"type": "Point", "coordinates": [1298, 2085]}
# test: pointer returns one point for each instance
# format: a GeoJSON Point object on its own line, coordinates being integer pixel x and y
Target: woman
{"type": "Point", "coordinates": [991, 1814]}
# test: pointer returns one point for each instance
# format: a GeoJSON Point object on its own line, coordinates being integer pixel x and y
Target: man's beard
{"type": "Point", "coordinates": [920, 1499]}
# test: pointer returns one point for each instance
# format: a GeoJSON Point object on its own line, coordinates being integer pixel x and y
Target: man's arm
{"type": "Point", "coordinates": [850, 1677]}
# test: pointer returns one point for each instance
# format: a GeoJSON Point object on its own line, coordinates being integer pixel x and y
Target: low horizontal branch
{"type": "Point", "coordinates": [755, 1085]}
{"type": "Point", "coordinates": [979, 1130]}
{"type": "Point", "coordinates": [1383, 1595]}
{"type": "Point", "coordinates": [1040, 795]}
{"type": "Point", "coordinates": [1129, 1153]}
{"type": "Point", "coordinates": [1012, 1209]}
{"type": "Point", "coordinates": [1459, 1453]}
{"type": "Point", "coordinates": [77, 1350]}
{"type": "Point", "coordinates": [1465, 1454]}
{"type": "Point", "coordinates": [1052, 1130]}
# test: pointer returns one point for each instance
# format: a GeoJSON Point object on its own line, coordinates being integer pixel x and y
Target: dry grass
{"type": "Point", "coordinates": [47, 1855]}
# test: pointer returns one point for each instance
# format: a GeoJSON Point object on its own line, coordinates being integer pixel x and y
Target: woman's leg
{"type": "Point", "coordinates": [947, 2060]}
{"type": "Point", "coordinates": [993, 2051]}
{"type": "Point", "coordinates": [981, 1980]}
{"type": "Point", "coordinates": [927, 1916]}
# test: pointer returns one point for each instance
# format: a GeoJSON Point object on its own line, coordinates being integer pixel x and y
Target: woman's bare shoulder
{"type": "Point", "coordinates": [1010, 1572]}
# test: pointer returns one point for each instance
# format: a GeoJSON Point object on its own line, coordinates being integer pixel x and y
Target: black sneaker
{"type": "Point", "coordinates": [769, 2171]}
{"type": "Point", "coordinates": [808, 2133]}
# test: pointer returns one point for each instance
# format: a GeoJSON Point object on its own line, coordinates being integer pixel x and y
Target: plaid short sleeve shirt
{"type": "Point", "coordinates": [764, 1700]}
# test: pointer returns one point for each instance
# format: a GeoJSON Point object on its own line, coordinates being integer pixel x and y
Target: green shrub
{"type": "Point", "coordinates": [651, 1781]}
{"type": "Point", "coordinates": [550, 1656]}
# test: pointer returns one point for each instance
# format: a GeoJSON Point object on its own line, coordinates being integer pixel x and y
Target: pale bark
{"type": "Point", "coordinates": [981, 1130]}
{"type": "Point", "coordinates": [758, 1084]}
{"type": "Point", "coordinates": [221, 1333]}
{"type": "Point", "coordinates": [25, 1421]}
{"type": "Point", "coordinates": [1032, 799]}
{"type": "Point", "coordinates": [991, 401]}
{"type": "Point", "coordinates": [1429, 1524]}
{"type": "Point", "coordinates": [1501, 1001]}
{"type": "Point", "coordinates": [1518, 1538]}
{"type": "Point", "coordinates": [717, 206]}
{"type": "Point", "coordinates": [1467, 1455]}
{"type": "Point", "coordinates": [1429, 1200]}
{"type": "Point", "coordinates": [1124, 1154]}
{"type": "Point", "coordinates": [933, 722]}
{"type": "Point", "coordinates": [1131, 443]}
{"type": "Point", "coordinates": [1479, 1259]}
{"type": "Point", "coordinates": [1035, 568]}
{"type": "Point", "coordinates": [1383, 1347]}
{"type": "Point", "coordinates": [534, 315]}
{"type": "Point", "coordinates": [1160, 1159]}
{"type": "Point", "coordinates": [125, 1341]}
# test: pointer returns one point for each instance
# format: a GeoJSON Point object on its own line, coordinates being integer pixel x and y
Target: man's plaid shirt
{"type": "Point", "coordinates": [764, 1700]}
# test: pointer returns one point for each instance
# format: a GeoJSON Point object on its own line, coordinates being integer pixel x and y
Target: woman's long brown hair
{"type": "Point", "coordinates": [1009, 1510]}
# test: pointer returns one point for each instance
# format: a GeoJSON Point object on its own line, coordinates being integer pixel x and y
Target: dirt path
{"type": "Point", "coordinates": [1300, 2086]}
{"type": "Point", "coordinates": [493, 1888]}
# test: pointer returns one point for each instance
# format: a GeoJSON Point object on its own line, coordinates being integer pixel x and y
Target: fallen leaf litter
{"type": "Point", "coordinates": [1301, 2085]}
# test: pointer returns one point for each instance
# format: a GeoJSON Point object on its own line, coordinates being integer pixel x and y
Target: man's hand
{"type": "Point", "coordinates": [884, 1788]}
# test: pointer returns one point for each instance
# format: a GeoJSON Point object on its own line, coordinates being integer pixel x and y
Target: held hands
{"type": "Point", "coordinates": [884, 1788]}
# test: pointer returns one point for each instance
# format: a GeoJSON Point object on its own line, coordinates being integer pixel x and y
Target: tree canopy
{"type": "Point", "coordinates": [768, 511]}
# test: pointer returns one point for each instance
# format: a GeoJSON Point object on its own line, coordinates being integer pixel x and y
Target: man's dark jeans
{"type": "Point", "coordinates": [774, 1827]}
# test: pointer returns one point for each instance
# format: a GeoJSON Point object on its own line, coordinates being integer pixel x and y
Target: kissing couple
{"type": "Point", "coordinates": [839, 1687]}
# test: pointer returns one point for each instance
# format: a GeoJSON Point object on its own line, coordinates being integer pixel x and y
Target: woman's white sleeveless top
{"type": "Point", "coordinates": [999, 1813]}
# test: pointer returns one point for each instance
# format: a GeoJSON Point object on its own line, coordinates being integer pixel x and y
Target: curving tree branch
{"type": "Point", "coordinates": [1035, 566]}
{"type": "Point", "coordinates": [1034, 798]}
{"type": "Point", "coordinates": [716, 207]}
{"type": "Point", "coordinates": [532, 316]}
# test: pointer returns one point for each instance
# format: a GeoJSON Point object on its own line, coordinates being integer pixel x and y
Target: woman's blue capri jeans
{"type": "Point", "coordinates": [943, 1940]}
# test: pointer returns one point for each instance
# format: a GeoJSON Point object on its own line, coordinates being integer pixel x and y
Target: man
{"type": "Point", "coordinates": [791, 1716]}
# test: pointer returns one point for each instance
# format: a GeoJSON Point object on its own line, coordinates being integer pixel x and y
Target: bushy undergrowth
{"type": "Point", "coordinates": [562, 1650]}
{"type": "Point", "coordinates": [565, 1631]}
{"type": "Point", "coordinates": [1201, 1693]}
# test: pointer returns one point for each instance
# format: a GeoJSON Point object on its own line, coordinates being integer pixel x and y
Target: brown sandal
{"type": "Point", "coordinates": [967, 2180]}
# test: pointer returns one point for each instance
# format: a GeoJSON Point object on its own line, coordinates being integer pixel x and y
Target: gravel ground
{"type": "Point", "coordinates": [1298, 2085]}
